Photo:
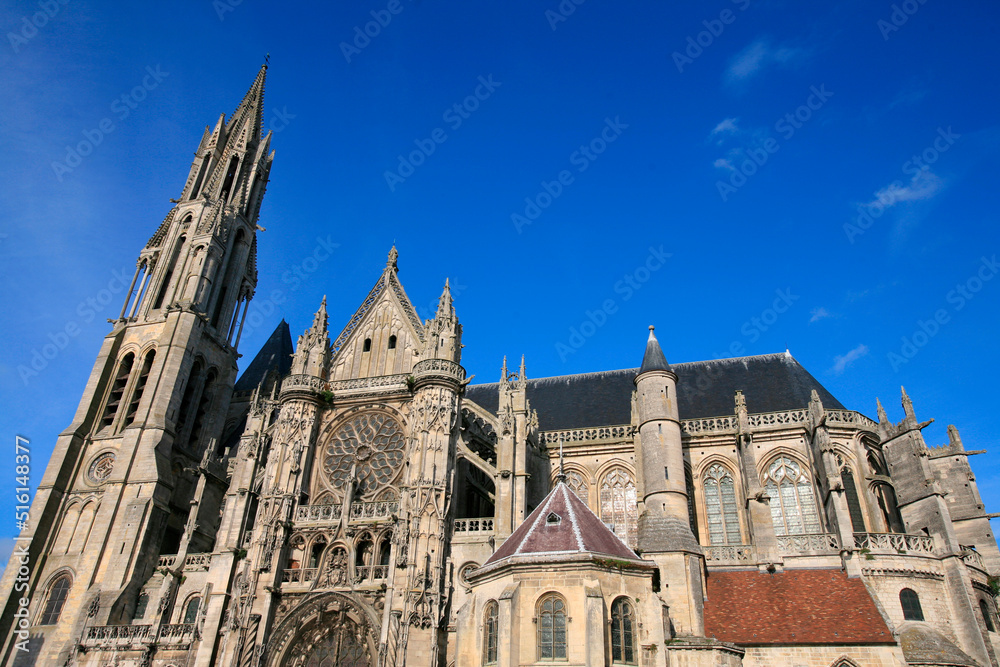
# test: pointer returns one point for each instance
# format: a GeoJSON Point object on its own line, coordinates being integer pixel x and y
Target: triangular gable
{"type": "Point", "coordinates": [385, 313]}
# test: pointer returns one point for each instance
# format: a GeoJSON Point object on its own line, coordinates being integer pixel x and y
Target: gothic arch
{"type": "Point", "coordinates": [317, 619]}
{"type": "Point", "coordinates": [617, 498]}
{"type": "Point", "coordinates": [46, 590]}
{"type": "Point", "coordinates": [725, 461]}
{"type": "Point", "coordinates": [844, 661]}
{"type": "Point", "coordinates": [606, 467]}
{"type": "Point", "coordinates": [767, 458]}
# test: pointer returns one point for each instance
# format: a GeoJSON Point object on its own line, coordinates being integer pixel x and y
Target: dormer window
{"type": "Point", "coordinates": [552, 519]}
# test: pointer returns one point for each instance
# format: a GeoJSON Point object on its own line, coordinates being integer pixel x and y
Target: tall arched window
{"type": "Point", "coordinates": [623, 633]}
{"type": "Point", "coordinates": [191, 610]}
{"type": "Point", "coordinates": [721, 510]}
{"type": "Point", "coordinates": [910, 603]}
{"type": "Point", "coordinates": [202, 414]}
{"type": "Point", "coordinates": [886, 496]}
{"type": "Point", "coordinates": [140, 606]}
{"type": "Point", "coordinates": [689, 485]}
{"type": "Point", "coordinates": [140, 386]}
{"type": "Point", "coordinates": [793, 502]}
{"type": "Point", "coordinates": [117, 390]}
{"type": "Point", "coordinates": [619, 508]}
{"type": "Point", "coordinates": [984, 607]}
{"type": "Point", "coordinates": [490, 631]}
{"type": "Point", "coordinates": [853, 500]}
{"type": "Point", "coordinates": [578, 485]}
{"type": "Point", "coordinates": [551, 628]}
{"type": "Point", "coordinates": [169, 273]}
{"type": "Point", "coordinates": [57, 598]}
{"type": "Point", "coordinates": [392, 342]}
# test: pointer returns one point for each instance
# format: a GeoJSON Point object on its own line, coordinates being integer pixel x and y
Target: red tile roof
{"type": "Point", "coordinates": [562, 524]}
{"type": "Point", "coordinates": [792, 607]}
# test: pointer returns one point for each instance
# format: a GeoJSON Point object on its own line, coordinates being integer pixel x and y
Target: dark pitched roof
{"type": "Point", "coordinates": [792, 607]}
{"type": "Point", "coordinates": [770, 383]}
{"type": "Point", "coordinates": [276, 352]}
{"type": "Point", "coordinates": [653, 359]}
{"type": "Point", "coordinates": [561, 524]}
{"type": "Point", "coordinates": [923, 645]}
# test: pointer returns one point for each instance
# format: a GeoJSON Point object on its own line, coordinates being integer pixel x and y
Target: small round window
{"type": "Point", "coordinates": [100, 469]}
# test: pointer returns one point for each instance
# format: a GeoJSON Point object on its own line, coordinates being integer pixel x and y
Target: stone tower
{"type": "Point", "coordinates": [137, 473]}
{"type": "Point", "coordinates": [665, 535]}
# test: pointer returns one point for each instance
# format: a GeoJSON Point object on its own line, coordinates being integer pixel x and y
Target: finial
{"type": "Point", "coordinates": [651, 327]}
{"type": "Point", "coordinates": [882, 416]}
{"type": "Point", "coordinates": [267, 60]}
{"type": "Point", "coordinates": [503, 370]}
{"type": "Point", "coordinates": [907, 403]}
{"type": "Point", "coordinates": [392, 263]}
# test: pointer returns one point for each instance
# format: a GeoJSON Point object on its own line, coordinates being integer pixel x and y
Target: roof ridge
{"type": "Point", "coordinates": [572, 516]}
{"type": "Point", "coordinates": [531, 529]}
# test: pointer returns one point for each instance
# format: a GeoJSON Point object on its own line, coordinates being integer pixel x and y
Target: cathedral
{"type": "Point", "coordinates": [352, 499]}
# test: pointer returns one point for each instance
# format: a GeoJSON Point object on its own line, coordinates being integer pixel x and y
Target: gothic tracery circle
{"type": "Point", "coordinates": [373, 442]}
{"type": "Point", "coordinates": [101, 467]}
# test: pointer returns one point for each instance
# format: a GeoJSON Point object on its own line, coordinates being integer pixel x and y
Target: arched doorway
{"type": "Point", "coordinates": [329, 630]}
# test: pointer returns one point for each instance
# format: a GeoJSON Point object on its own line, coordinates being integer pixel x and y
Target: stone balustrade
{"type": "Point", "coordinates": [310, 513]}
{"type": "Point", "coordinates": [439, 367]}
{"type": "Point", "coordinates": [298, 575]}
{"type": "Point", "coordinates": [973, 557]}
{"type": "Point", "coordinates": [117, 636]}
{"type": "Point", "coordinates": [730, 554]}
{"type": "Point", "coordinates": [484, 525]}
{"type": "Point", "coordinates": [380, 509]}
{"type": "Point", "coordinates": [805, 545]}
{"type": "Point", "coordinates": [894, 543]}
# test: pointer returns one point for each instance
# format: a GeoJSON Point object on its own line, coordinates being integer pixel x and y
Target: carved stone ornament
{"type": "Point", "coordinates": [101, 467]}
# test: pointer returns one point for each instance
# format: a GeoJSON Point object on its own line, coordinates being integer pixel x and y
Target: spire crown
{"type": "Point", "coordinates": [653, 359]}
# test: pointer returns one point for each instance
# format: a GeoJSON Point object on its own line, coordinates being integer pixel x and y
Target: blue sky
{"type": "Point", "coordinates": [697, 167]}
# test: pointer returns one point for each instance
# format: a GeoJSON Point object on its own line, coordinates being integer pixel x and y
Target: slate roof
{"type": "Point", "coordinates": [792, 607]}
{"type": "Point", "coordinates": [561, 524]}
{"type": "Point", "coordinates": [276, 352]}
{"type": "Point", "coordinates": [770, 383]}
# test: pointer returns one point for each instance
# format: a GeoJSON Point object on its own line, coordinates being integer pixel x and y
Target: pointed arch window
{"type": "Point", "coordinates": [117, 390]}
{"type": "Point", "coordinates": [490, 632]}
{"type": "Point", "coordinates": [201, 176]}
{"type": "Point", "coordinates": [203, 408]}
{"type": "Point", "coordinates": [140, 606]}
{"type": "Point", "coordinates": [853, 500]}
{"type": "Point", "coordinates": [169, 273]}
{"type": "Point", "coordinates": [793, 502]}
{"type": "Point", "coordinates": [910, 602]}
{"type": "Point", "coordinates": [984, 607]}
{"type": "Point", "coordinates": [392, 342]}
{"type": "Point", "coordinates": [56, 600]}
{"type": "Point", "coordinates": [623, 633]}
{"type": "Point", "coordinates": [721, 509]}
{"type": "Point", "coordinates": [140, 386]}
{"type": "Point", "coordinates": [227, 184]}
{"type": "Point", "coordinates": [619, 507]}
{"type": "Point", "coordinates": [552, 627]}
{"type": "Point", "coordinates": [578, 485]}
{"type": "Point", "coordinates": [191, 610]}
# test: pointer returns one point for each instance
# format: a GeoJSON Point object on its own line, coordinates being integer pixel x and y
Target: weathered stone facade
{"type": "Point", "coordinates": [357, 501]}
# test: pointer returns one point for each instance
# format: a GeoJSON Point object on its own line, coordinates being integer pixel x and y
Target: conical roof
{"type": "Point", "coordinates": [653, 360]}
{"type": "Point", "coordinates": [562, 524]}
{"type": "Point", "coordinates": [275, 353]}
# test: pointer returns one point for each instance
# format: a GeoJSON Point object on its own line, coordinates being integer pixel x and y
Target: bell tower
{"type": "Point", "coordinates": [143, 454]}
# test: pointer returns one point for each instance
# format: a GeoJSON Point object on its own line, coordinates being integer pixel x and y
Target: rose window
{"type": "Point", "coordinates": [102, 467]}
{"type": "Point", "coordinates": [374, 443]}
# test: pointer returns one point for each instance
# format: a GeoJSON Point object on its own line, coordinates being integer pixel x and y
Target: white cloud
{"type": "Point", "coordinates": [819, 314]}
{"type": "Point", "coordinates": [726, 126]}
{"type": "Point", "coordinates": [723, 163]}
{"type": "Point", "coordinates": [842, 361]}
{"type": "Point", "coordinates": [757, 56]}
{"type": "Point", "coordinates": [924, 185]}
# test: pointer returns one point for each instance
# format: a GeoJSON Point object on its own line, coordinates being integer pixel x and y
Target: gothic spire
{"type": "Point", "coordinates": [883, 418]}
{"type": "Point", "coordinates": [251, 107]}
{"type": "Point", "coordinates": [907, 404]}
{"type": "Point", "coordinates": [320, 318]}
{"type": "Point", "coordinates": [446, 308]}
{"type": "Point", "coordinates": [653, 360]}
{"type": "Point", "coordinates": [503, 370]}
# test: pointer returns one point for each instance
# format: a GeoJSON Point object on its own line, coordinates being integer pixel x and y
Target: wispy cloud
{"type": "Point", "coordinates": [726, 127]}
{"type": "Point", "coordinates": [819, 314]}
{"type": "Point", "coordinates": [924, 185]}
{"type": "Point", "coordinates": [842, 361]}
{"type": "Point", "coordinates": [759, 55]}
{"type": "Point", "coordinates": [723, 163]}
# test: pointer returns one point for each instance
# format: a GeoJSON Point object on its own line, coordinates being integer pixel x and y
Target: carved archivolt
{"type": "Point", "coordinates": [330, 628]}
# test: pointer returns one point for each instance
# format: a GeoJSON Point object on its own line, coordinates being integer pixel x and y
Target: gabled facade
{"type": "Point", "coordinates": [354, 500]}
